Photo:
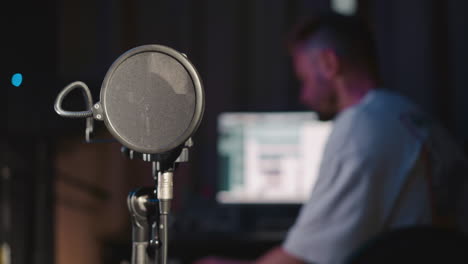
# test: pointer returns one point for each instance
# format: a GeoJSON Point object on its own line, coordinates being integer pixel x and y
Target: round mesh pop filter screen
{"type": "Point", "coordinates": [152, 99]}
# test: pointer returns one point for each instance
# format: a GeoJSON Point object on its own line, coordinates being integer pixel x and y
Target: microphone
{"type": "Point", "coordinates": [152, 102]}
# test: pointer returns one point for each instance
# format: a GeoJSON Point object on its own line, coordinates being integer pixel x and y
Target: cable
{"type": "Point", "coordinates": [163, 237]}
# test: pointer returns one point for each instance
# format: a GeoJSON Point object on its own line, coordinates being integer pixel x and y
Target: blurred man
{"type": "Point", "coordinates": [385, 165]}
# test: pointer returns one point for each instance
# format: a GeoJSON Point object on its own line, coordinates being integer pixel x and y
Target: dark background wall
{"type": "Point", "coordinates": [238, 48]}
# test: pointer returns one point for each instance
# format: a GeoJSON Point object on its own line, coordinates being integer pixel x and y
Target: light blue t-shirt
{"type": "Point", "coordinates": [372, 178]}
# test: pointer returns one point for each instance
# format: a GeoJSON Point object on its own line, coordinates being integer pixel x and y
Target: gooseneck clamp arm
{"type": "Point", "coordinates": [142, 207]}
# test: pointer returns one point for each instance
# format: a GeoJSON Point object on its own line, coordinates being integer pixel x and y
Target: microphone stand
{"type": "Point", "coordinates": [149, 208]}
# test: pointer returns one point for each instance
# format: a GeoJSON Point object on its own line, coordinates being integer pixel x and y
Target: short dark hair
{"type": "Point", "coordinates": [349, 36]}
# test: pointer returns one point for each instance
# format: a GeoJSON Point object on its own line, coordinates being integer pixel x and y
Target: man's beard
{"type": "Point", "coordinates": [326, 116]}
{"type": "Point", "coordinates": [329, 108]}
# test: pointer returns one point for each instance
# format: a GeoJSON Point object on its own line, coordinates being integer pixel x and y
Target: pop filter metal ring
{"type": "Point", "coordinates": [198, 105]}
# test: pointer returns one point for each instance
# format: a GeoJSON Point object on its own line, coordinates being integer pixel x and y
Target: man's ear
{"type": "Point", "coordinates": [329, 64]}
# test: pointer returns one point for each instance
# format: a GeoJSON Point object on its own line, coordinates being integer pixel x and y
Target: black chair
{"type": "Point", "coordinates": [414, 245]}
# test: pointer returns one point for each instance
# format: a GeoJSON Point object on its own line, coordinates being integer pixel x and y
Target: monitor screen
{"type": "Point", "coordinates": [269, 157]}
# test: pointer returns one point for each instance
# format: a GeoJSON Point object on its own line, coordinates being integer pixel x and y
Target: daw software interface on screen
{"type": "Point", "coordinates": [266, 158]}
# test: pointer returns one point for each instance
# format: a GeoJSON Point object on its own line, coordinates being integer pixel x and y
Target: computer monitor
{"type": "Point", "coordinates": [269, 158]}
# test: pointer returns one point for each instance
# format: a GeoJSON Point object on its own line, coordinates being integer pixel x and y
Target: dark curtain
{"type": "Point", "coordinates": [28, 46]}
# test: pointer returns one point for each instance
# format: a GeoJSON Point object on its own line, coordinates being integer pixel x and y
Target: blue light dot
{"type": "Point", "coordinates": [17, 79]}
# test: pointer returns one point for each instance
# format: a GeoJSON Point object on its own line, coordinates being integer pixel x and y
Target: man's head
{"type": "Point", "coordinates": [334, 58]}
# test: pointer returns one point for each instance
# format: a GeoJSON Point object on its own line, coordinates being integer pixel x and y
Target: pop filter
{"type": "Point", "coordinates": [151, 99]}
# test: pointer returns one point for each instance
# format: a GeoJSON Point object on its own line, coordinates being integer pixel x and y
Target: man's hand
{"type": "Point", "coordinates": [278, 256]}
{"type": "Point", "coordinates": [217, 260]}
{"type": "Point", "coordinates": [274, 256]}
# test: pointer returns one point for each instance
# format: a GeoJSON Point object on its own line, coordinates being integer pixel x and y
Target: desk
{"type": "Point", "coordinates": [187, 247]}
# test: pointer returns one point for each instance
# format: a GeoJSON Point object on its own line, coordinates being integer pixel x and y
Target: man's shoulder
{"type": "Point", "coordinates": [379, 120]}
